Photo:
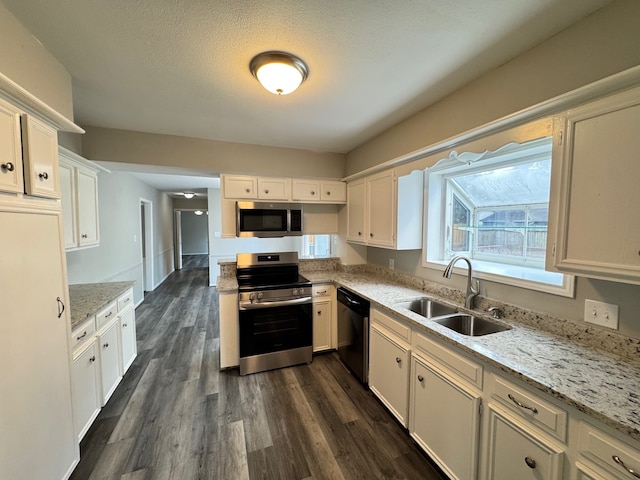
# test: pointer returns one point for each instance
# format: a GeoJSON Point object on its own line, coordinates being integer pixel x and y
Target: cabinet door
{"type": "Point", "coordinates": [356, 200]}
{"type": "Point", "coordinates": [333, 191]}
{"type": "Point", "coordinates": [321, 326]}
{"type": "Point", "coordinates": [38, 440]}
{"type": "Point", "coordinates": [40, 155]}
{"type": "Point", "coordinates": [128, 337]}
{"type": "Point", "coordinates": [305, 189]}
{"type": "Point", "coordinates": [274, 188]}
{"type": "Point", "coordinates": [87, 208]}
{"type": "Point", "coordinates": [381, 209]}
{"type": "Point", "coordinates": [597, 232]}
{"type": "Point", "coordinates": [10, 150]}
{"type": "Point", "coordinates": [389, 373]}
{"type": "Point", "coordinates": [109, 361]}
{"type": "Point", "coordinates": [229, 337]}
{"type": "Point", "coordinates": [445, 420]}
{"type": "Point", "coordinates": [515, 452]}
{"type": "Point", "coordinates": [68, 200]}
{"type": "Point", "coordinates": [240, 187]}
{"type": "Point", "coordinates": [86, 393]}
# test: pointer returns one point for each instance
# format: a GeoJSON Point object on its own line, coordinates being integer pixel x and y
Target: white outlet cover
{"type": "Point", "coordinates": [600, 313]}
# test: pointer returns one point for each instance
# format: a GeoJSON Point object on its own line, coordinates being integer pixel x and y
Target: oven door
{"type": "Point", "coordinates": [271, 327]}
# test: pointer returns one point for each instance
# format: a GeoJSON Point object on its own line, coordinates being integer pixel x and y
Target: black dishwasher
{"type": "Point", "coordinates": [353, 333]}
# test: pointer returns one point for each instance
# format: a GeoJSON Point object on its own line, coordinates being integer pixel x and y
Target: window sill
{"type": "Point", "coordinates": [518, 276]}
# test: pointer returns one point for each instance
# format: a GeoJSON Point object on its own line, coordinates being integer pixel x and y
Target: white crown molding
{"type": "Point", "coordinates": [606, 86]}
{"type": "Point", "coordinates": [14, 93]}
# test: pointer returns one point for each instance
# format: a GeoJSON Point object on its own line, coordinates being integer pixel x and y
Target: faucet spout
{"type": "Point", "coordinates": [473, 286]}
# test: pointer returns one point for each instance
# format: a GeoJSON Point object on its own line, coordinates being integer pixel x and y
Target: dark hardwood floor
{"type": "Point", "coordinates": [195, 261]}
{"type": "Point", "coordinates": [176, 416]}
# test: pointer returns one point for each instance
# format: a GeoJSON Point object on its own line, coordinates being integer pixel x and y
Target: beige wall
{"type": "Point", "coordinates": [25, 61]}
{"type": "Point", "coordinates": [602, 44]}
{"type": "Point", "coordinates": [209, 155]}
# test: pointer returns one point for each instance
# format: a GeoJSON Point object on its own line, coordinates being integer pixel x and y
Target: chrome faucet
{"type": "Point", "coordinates": [473, 288]}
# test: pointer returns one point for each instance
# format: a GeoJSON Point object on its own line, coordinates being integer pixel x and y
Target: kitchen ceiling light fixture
{"type": "Point", "coordinates": [189, 195]}
{"type": "Point", "coordinates": [279, 72]}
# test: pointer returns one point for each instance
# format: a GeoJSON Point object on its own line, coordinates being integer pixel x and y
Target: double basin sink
{"type": "Point", "coordinates": [449, 317]}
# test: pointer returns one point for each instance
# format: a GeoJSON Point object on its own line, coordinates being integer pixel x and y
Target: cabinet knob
{"type": "Point", "coordinates": [106, 345]}
{"type": "Point", "coordinates": [359, 234]}
{"type": "Point", "coordinates": [124, 325]}
{"type": "Point", "coordinates": [371, 235]}
{"type": "Point", "coordinates": [266, 191]}
{"type": "Point", "coordinates": [313, 192]}
{"type": "Point", "coordinates": [617, 459]}
{"type": "Point", "coordinates": [92, 359]}
{"type": "Point", "coordinates": [248, 190]}
{"type": "Point", "coordinates": [531, 463]}
{"type": "Point", "coordinates": [84, 235]}
{"type": "Point", "coordinates": [398, 360]}
{"type": "Point", "coordinates": [420, 378]}
{"type": "Point", "coordinates": [328, 193]}
{"type": "Point", "coordinates": [43, 176]}
{"type": "Point", "coordinates": [7, 166]}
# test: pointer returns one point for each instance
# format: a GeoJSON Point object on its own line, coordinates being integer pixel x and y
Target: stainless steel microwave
{"type": "Point", "coordinates": [266, 219]}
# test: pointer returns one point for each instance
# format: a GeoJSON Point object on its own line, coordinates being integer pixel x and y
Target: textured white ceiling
{"type": "Point", "coordinates": [181, 66]}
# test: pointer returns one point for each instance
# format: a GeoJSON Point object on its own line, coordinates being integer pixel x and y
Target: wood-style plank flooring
{"type": "Point", "coordinates": [176, 416]}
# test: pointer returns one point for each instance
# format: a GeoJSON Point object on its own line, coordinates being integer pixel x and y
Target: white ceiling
{"type": "Point", "coordinates": [181, 66]}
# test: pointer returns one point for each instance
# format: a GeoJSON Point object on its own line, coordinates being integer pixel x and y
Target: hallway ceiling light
{"type": "Point", "coordinates": [189, 195]}
{"type": "Point", "coordinates": [279, 72]}
{"type": "Point", "coordinates": [198, 212]}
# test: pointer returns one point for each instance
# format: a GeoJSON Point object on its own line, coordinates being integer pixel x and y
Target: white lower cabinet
{"type": "Point", "coordinates": [229, 335]}
{"type": "Point", "coordinates": [321, 326]}
{"type": "Point", "coordinates": [86, 376]}
{"type": "Point", "coordinates": [515, 451]}
{"type": "Point", "coordinates": [127, 324]}
{"type": "Point", "coordinates": [109, 360]}
{"type": "Point", "coordinates": [389, 373]}
{"type": "Point", "coordinates": [603, 456]}
{"type": "Point", "coordinates": [445, 420]}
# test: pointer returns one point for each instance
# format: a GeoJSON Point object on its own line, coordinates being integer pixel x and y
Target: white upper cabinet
{"type": "Point", "coordinates": [10, 149]}
{"type": "Point", "coordinates": [274, 188]}
{"type": "Point", "coordinates": [333, 191]}
{"type": "Point", "coordinates": [240, 186]}
{"type": "Point", "coordinates": [385, 210]}
{"type": "Point", "coordinates": [594, 229]}
{"type": "Point", "coordinates": [307, 189]}
{"type": "Point", "coordinates": [284, 189]}
{"type": "Point", "coordinates": [79, 187]}
{"type": "Point", "coordinates": [40, 157]}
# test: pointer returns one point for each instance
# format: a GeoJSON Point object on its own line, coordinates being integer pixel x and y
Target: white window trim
{"type": "Point", "coordinates": [513, 275]}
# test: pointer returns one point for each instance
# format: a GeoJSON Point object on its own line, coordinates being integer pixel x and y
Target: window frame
{"type": "Point", "coordinates": [435, 219]}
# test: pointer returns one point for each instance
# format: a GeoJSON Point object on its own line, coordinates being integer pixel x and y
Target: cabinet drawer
{"type": "Point", "coordinates": [83, 332]}
{"type": "Point", "coordinates": [539, 412]}
{"type": "Point", "coordinates": [391, 325]}
{"type": "Point", "coordinates": [463, 368]}
{"type": "Point", "coordinates": [321, 290]}
{"type": "Point", "coordinates": [105, 315]}
{"type": "Point", "coordinates": [604, 450]}
{"type": "Point", "coordinates": [125, 300]}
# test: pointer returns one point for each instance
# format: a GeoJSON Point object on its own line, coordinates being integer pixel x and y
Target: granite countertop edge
{"type": "Point", "coordinates": [599, 384]}
{"type": "Point", "coordinates": [87, 299]}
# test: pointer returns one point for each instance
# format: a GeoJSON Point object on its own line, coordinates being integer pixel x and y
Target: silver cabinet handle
{"type": "Point", "coordinates": [617, 459]}
{"type": "Point", "coordinates": [398, 360]}
{"type": "Point", "coordinates": [82, 336]}
{"type": "Point", "coordinates": [43, 176]}
{"type": "Point", "coordinates": [60, 307]}
{"type": "Point", "coordinates": [531, 463]}
{"type": "Point", "coordinates": [522, 405]}
{"type": "Point", "coordinates": [420, 378]}
{"type": "Point", "coordinates": [7, 166]}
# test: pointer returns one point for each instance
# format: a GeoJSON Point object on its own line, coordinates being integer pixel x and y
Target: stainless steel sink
{"type": "Point", "coordinates": [427, 307]}
{"type": "Point", "coordinates": [469, 325]}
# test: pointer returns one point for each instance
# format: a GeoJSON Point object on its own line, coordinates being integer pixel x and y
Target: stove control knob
{"type": "Point", "coordinates": [294, 292]}
{"type": "Point", "coordinates": [252, 297]}
{"type": "Point", "coordinates": [259, 296]}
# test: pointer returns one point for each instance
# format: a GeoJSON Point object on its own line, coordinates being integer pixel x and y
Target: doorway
{"type": "Point", "coordinates": [191, 235]}
{"type": "Point", "coordinates": [146, 244]}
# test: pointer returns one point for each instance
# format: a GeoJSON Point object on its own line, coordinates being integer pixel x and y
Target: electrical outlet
{"type": "Point", "coordinates": [599, 313]}
{"type": "Point", "coordinates": [391, 263]}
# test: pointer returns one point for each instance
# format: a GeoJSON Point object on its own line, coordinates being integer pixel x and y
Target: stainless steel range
{"type": "Point", "coordinates": [275, 312]}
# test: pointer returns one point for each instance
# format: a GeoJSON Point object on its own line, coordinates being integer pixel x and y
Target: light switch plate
{"type": "Point", "coordinates": [600, 313]}
{"type": "Point", "coordinates": [392, 263]}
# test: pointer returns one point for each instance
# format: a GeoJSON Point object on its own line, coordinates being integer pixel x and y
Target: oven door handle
{"type": "Point", "coordinates": [280, 303]}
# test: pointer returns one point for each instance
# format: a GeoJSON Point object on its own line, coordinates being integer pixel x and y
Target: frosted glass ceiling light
{"type": "Point", "coordinates": [279, 72]}
{"type": "Point", "coordinates": [188, 195]}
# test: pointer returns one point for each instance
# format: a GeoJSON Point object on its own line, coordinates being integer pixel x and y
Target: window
{"type": "Point", "coordinates": [316, 246]}
{"type": "Point", "coordinates": [493, 208]}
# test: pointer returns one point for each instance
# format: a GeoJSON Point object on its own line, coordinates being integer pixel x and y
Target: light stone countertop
{"type": "Point", "coordinates": [603, 385]}
{"type": "Point", "coordinates": [87, 299]}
